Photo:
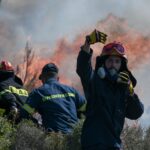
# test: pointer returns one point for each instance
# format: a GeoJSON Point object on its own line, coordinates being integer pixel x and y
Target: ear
{"type": "Point", "coordinates": [57, 78]}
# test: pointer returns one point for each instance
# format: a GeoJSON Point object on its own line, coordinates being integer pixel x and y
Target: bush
{"type": "Point", "coordinates": [27, 136]}
{"type": "Point", "coordinates": [73, 140]}
{"type": "Point", "coordinates": [6, 134]}
{"type": "Point", "coordinates": [146, 141]}
{"type": "Point", "coordinates": [132, 137]}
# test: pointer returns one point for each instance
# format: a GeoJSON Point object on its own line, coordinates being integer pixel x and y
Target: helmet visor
{"type": "Point", "coordinates": [118, 47]}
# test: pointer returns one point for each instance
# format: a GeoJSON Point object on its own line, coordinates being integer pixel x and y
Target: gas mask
{"type": "Point", "coordinates": [111, 74]}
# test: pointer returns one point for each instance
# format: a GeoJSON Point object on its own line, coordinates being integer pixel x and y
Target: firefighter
{"type": "Point", "coordinates": [55, 102]}
{"type": "Point", "coordinates": [12, 94]}
{"type": "Point", "coordinates": [109, 90]}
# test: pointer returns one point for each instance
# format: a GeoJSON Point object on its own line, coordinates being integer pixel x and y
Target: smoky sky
{"type": "Point", "coordinates": [48, 20]}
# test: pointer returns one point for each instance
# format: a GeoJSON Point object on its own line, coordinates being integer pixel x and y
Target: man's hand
{"type": "Point", "coordinates": [124, 78]}
{"type": "Point", "coordinates": [86, 47]}
{"type": "Point", "coordinates": [96, 36]}
{"type": "Point", "coordinates": [13, 114]}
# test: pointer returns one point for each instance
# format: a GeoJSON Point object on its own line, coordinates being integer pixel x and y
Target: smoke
{"type": "Point", "coordinates": [50, 23]}
{"type": "Point", "coordinates": [65, 52]}
{"type": "Point", "coordinates": [46, 21]}
{"type": "Point", "coordinates": [137, 46]}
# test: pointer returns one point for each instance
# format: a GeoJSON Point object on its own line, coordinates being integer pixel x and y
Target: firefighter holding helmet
{"type": "Point", "coordinates": [109, 90]}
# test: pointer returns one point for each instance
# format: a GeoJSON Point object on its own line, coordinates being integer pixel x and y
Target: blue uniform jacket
{"type": "Point", "coordinates": [107, 106]}
{"type": "Point", "coordinates": [57, 104]}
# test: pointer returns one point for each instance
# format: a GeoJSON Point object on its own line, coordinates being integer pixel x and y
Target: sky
{"type": "Point", "coordinates": [47, 21]}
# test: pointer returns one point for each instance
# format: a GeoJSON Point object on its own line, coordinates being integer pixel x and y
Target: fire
{"type": "Point", "coordinates": [65, 52]}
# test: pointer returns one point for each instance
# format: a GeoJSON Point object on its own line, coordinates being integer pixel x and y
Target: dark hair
{"type": "Point", "coordinates": [51, 74]}
{"type": "Point", "coordinates": [50, 70]}
{"type": "Point", "coordinates": [48, 75]}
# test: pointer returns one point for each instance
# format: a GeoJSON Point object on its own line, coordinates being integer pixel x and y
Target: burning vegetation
{"type": "Point", "coordinates": [65, 52]}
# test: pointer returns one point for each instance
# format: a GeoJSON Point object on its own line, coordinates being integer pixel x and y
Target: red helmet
{"type": "Point", "coordinates": [114, 48]}
{"type": "Point", "coordinates": [6, 66]}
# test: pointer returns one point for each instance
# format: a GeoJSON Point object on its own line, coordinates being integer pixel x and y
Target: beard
{"type": "Point", "coordinates": [112, 71]}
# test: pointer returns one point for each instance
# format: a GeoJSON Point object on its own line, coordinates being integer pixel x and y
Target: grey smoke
{"type": "Point", "coordinates": [48, 20]}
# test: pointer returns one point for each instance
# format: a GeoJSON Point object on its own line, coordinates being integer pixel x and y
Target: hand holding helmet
{"type": "Point", "coordinates": [14, 113]}
{"type": "Point", "coordinates": [96, 36]}
{"type": "Point", "coordinates": [123, 77]}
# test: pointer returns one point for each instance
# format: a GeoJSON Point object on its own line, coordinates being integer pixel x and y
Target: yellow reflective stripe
{"type": "Point", "coordinates": [131, 89]}
{"type": "Point", "coordinates": [14, 90]}
{"type": "Point", "coordinates": [71, 94]}
{"type": "Point", "coordinates": [20, 92]}
{"type": "Point", "coordinates": [82, 108]}
{"type": "Point", "coordinates": [54, 96]}
{"type": "Point", "coordinates": [4, 91]}
{"type": "Point", "coordinates": [28, 108]}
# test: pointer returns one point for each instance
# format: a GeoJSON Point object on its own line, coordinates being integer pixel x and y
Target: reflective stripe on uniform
{"type": "Point", "coordinates": [53, 96]}
{"type": "Point", "coordinates": [83, 107]}
{"type": "Point", "coordinates": [13, 90]}
{"type": "Point", "coordinates": [28, 108]}
{"type": "Point", "coordinates": [4, 91]}
{"type": "Point", "coordinates": [20, 92]}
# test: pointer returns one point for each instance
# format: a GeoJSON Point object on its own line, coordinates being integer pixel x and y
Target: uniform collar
{"type": "Point", "coordinates": [51, 80]}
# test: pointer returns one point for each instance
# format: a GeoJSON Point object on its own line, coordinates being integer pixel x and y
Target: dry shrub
{"type": "Point", "coordinates": [28, 137]}
{"type": "Point", "coordinates": [132, 137]}
{"type": "Point", "coordinates": [6, 134]}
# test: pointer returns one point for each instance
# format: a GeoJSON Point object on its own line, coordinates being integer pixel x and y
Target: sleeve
{"type": "Point", "coordinates": [10, 100]}
{"type": "Point", "coordinates": [79, 100]}
{"type": "Point", "coordinates": [84, 68]}
{"type": "Point", "coordinates": [34, 99]}
{"type": "Point", "coordinates": [134, 108]}
{"type": "Point", "coordinates": [33, 102]}
{"type": "Point", "coordinates": [7, 99]}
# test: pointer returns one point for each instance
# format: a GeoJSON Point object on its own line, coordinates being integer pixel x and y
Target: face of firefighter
{"type": "Point", "coordinates": [113, 64]}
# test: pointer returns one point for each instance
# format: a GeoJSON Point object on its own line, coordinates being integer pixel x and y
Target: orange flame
{"type": "Point", "coordinates": [65, 53]}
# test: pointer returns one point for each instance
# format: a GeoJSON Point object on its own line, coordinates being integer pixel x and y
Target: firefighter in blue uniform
{"type": "Point", "coordinates": [56, 103]}
{"type": "Point", "coordinates": [12, 93]}
{"type": "Point", "coordinates": [109, 93]}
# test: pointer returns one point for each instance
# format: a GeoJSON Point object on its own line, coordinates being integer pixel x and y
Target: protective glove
{"type": "Point", "coordinates": [13, 114]}
{"type": "Point", "coordinates": [131, 90]}
{"type": "Point", "coordinates": [96, 36]}
{"type": "Point", "coordinates": [123, 77]}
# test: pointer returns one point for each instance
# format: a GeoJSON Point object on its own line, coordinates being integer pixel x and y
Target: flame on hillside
{"type": "Point", "coordinates": [65, 52]}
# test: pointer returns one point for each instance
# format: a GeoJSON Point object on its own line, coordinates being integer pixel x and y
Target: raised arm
{"type": "Point", "coordinates": [84, 67]}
